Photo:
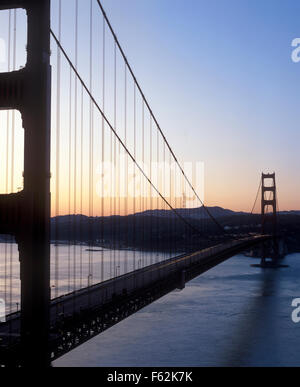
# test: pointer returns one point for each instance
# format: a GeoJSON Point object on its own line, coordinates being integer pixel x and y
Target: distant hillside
{"type": "Point", "coordinates": [297, 213]}
{"type": "Point", "coordinates": [194, 213]}
{"type": "Point", "coordinates": [162, 229]}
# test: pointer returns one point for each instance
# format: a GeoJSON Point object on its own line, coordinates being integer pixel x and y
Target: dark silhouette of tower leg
{"type": "Point", "coordinates": [269, 219]}
{"type": "Point", "coordinates": [26, 215]}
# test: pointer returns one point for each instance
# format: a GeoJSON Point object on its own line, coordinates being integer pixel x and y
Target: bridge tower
{"type": "Point", "coordinates": [26, 214]}
{"type": "Point", "coordinates": [269, 218]}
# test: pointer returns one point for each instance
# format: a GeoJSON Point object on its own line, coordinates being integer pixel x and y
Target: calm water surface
{"type": "Point", "coordinates": [233, 315]}
{"type": "Point", "coordinates": [72, 267]}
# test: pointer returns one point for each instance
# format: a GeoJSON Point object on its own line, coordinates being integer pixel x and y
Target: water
{"type": "Point", "coordinates": [72, 267]}
{"type": "Point", "coordinates": [233, 315]}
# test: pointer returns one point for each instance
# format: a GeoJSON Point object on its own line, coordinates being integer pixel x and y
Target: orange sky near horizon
{"type": "Point", "coordinates": [231, 191]}
{"type": "Point", "coordinates": [235, 115]}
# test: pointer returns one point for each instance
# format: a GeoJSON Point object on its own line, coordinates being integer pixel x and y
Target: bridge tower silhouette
{"type": "Point", "coordinates": [269, 219]}
{"type": "Point", "coordinates": [26, 214]}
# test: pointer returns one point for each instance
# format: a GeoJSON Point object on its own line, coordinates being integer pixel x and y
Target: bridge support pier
{"type": "Point", "coordinates": [28, 215]}
{"type": "Point", "coordinates": [270, 249]}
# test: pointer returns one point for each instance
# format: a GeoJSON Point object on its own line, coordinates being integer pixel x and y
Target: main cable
{"type": "Point", "coordinates": [154, 118]}
{"type": "Point", "coordinates": [259, 187]}
{"type": "Point", "coordinates": [118, 137]}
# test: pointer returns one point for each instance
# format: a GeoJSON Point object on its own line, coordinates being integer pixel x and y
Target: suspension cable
{"type": "Point", "coordinates": [259, 187]}
{"type": "Point", "coordinates": [154, 117]}
{"type": "Point", "coordinates": [118, 137]}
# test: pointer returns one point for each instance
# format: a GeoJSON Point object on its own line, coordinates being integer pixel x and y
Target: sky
{"type": "Point", "coordinates": [220, 78]}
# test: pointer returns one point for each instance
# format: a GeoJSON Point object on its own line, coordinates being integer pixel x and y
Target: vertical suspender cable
{"type": "Point", "coordinates": [126, 169]}
{"type": "Point", "coordinates": [69, 185]}
{"type": "Point", "coordinates": [150, 193]}
{"type": "Point", "coordinates": [103, 151]}
{"type": "Point", "coordinates": [91, 137]}
{"type": "Point", "coordinates": [134, 177]}
{"type": "Point", "coordinates": [157, 200]}
{"type": "Point", "coordinates": [114, 177]}
{"type": "Point", "coordinates": [143, 181]}
{"type": "Point", "coordinates": [81, 184]}
{"type": "Point", "coordinates": [75, 150]}
{"type": "Point", "coordinates": [57, 193]}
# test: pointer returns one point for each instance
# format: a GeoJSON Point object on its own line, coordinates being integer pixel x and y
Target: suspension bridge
{"type": "Point", "coordinates": [99, 216]}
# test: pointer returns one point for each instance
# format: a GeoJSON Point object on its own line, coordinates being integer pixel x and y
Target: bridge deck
{"type": "Point", "coordinates": [78, 316]}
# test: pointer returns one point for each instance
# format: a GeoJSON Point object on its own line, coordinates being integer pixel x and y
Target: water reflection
{"type": "Point", "coordinates": [72, 267]}
{"type": "Point", "coordinates": [233, 315]}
